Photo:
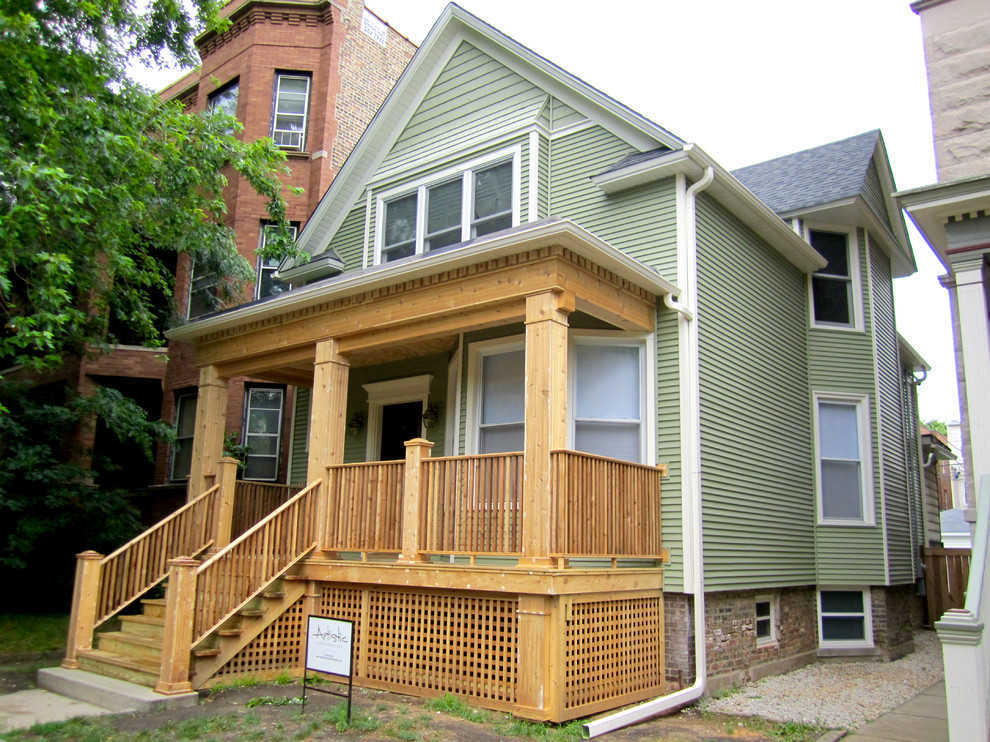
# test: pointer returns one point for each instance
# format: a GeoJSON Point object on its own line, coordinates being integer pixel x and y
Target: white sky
{"type": "Point", "coordinates": [748, 81]}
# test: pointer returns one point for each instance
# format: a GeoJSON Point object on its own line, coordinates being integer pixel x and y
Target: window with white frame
{"type": "Point", "coordinates": [203, 297]}
{"type": "Point", "coordinates": [496, 396]}
{"type": "Point", "coordinates": [262, 432]}
{"type": "Point", "coordinates": [833, 288]}
{"type": "Point", "coordinates": [766, 620]}
{"type": "Point", "coordinates": [845, 618]}
{"type": "Point", "coordinates": [291, 108]}
{"type": "Point", "coordinates": [844, 471]}
{"type": "Point", "coordinates": [267, 284]}
{"type": "Point", "coordinates": [185, 426]}
{"type": "Point", "coordinates": [451, 208]}
{"type": "Point", "coordinates": [608, 397]}
{"type": "Point", "coordinates": [225, 99]}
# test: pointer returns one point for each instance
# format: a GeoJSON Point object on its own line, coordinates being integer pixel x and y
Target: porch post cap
{"type": "Point", "coordinates": [419, 442]}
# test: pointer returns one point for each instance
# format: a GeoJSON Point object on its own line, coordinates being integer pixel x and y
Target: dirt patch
{"type": "Point", "coordinates": [272, 712]}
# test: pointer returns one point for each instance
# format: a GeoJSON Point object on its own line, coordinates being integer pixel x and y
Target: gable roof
{"type": "Point", "coordinates": [454, 26]}
{"type": "Point", "coordinates": [849, 179]}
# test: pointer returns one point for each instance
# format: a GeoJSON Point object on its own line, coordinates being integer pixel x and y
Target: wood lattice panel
{"type": "Point", "coordinates": [443, 642]}
{"type": "Point", "coordinates": [276, 649]}
{"type": "Point", "coordinates": [344, 603]}
{"type": "Point", "coordinates": [613, 648]}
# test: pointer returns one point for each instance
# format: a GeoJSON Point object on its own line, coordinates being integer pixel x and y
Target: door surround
{"type": "Point", "coordinates": [383, 393]}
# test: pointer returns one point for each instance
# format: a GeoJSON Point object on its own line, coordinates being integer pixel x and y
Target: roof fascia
{"type": "Point", "coordinates": [930, 206]}
{"type": "Point", "coordinates": [901, 247]}
{"type": "Point", "coordinates": [692, 161]}
{"type": "Point", "coordinates": [557, 233]}
{"type": "Point", "coordinates": [319, 266]}
{"type": "Point", "coordinates": [911, 356]}
{"type": "Point", "coordinates": [453, 26]}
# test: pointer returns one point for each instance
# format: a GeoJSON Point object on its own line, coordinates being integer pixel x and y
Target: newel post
{"type": "Point", "coordinates": [180, 605]}
{"type": "Point", "coordinates": [225, 501]}
{"type": "Point", "coordinates": [412, 495]}
{"type": "Point", "coordinates": [82, 618]}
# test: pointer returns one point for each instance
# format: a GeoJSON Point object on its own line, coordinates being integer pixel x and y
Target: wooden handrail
{"type": "Point", "coordinates": [233, 576]}
{"type": "Point", "coordinates": [142, 562]}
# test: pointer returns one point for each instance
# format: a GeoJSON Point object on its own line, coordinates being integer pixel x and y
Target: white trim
{"type": "Point", "coordinates": [453, 422]}
{"type": "Point", "coordinates": [421, 185]}
{"type": "Point", "coordinates": [867, 494]}
{"type": "Point", "coordinates": [774, 618]}
{"type": "Point", "coordinates": [397, 391]}
{"type": "Point", "coordinates": [476, 352]}
{"type": "Point", "coordinates": [647, 378]}
{"type": "Point", "coordinates": [854, 257]}
{"type": "Point", "coordinates": [304, 132]}
{"type": "Point", "coordinates": [245, 433]}
{"type": "Point", "coordinates": [368, 201]}
{"type": "Point", "coordinates": [533, 207]}
{"type": "Point", "coordinates": [867, 615]}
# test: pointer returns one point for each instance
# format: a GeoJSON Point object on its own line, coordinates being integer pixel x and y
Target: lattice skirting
{"type": "Point", "coordinates": [430, 642]}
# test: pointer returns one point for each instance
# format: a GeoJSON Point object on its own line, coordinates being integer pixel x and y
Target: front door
{"type": "Point", "coordinates": [400, 423]}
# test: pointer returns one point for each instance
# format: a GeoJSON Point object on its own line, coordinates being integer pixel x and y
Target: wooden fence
{"type": "Point", "coordinates": [946, 577]}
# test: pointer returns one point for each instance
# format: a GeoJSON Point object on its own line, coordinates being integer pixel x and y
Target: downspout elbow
{"type": "Point", "coordinates": [671, 303]}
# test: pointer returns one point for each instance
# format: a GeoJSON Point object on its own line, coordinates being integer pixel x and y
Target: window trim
{"type": "Point", "coordinates": [774, 638]}
{"type": "Point", "coordinates": [476, 352]}
{"type": "Point", "coordinates": [304, 133]}
{"type": "Point", "coordinates": [248, 388]}
{"type": "Point", "coordinates": [644, 341]}
{"type": "Point", "coordinates": [260, 268]}
{"type": "Point", "coordinates": [855, 279]}
{"type": "Point", "coordinates": [867, 615]}
{"type": "Point", "coordinates": [179, 396]}
{"type": "Point", "coordinates": [419, 187]}
{"type": "Point", "coordinates": [863, 417]}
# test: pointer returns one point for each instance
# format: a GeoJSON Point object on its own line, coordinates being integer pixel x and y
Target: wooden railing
{"type": "Point", "coordinates": [604, 507]}
{"type": "Point", "coordinates": [255, 500]}
{"type": "Point", "coordinates": [364, 511]}
{"type": "Point", "coordinates": [472, 504]}
{"type": "Point", "coordinates": [142, 563]}
{"type": "Point", "coordinates": [243, 569]}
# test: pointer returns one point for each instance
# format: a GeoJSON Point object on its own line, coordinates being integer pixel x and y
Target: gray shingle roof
{"type": "Point", "coordinates": [814, 176]}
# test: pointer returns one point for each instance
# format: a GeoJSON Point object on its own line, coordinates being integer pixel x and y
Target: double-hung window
{"type": "Point", "coordinates": [203, 296]}
{"type": "Point", "coordinates": [262, 432]}
{"type": "Point", "coordinates": [291, 109]}
{"type": "Point", "coordinates": [833, 288]}
{"type": "Point", "coordinates": [844, 471]}
{"type": "Point", "coordinates": [455, 207]}
{"type": "Point", "coordinates": [185, 427]}
{"type": "Point", "coordinates": [766, 621]}
{"type": "Point", "coordinates": [267, 284]}
{"type": "Point", "coordinates": [225, 99]}
{"type": "Point", "coordinates": [608, 397]}
{"type": "Point", "coordinates": [844, 618]}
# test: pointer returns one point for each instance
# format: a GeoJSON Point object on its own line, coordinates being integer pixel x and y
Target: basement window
{"type": "Point", "coordinates": [845, 618]}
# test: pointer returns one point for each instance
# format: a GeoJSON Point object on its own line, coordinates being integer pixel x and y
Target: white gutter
{"type": "Point", "coordinates": [691, 448]}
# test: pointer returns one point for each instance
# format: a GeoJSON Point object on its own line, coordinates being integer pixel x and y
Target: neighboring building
{"type": "Point", "coordinates": [956, 469]}
{"type": "Point", "coordinates": [568, 301]}
{"type": "Point", "coordinates": [937, 458]}
{"type": "Point", "coordinates": [310, 74]}
{"type": "Point", "coordinates": [954, 215]}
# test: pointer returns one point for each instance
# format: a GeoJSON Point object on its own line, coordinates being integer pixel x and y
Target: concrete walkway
{"type": "Point", "coordinates": [922, 719]}
{"type": "Point", "coordinates": [26, 708]}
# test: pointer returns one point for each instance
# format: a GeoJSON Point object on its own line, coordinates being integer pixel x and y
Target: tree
{"type": "Point", "coordinates": [938, 426]}
{"type": "Point", "coordinates": [100, 181]}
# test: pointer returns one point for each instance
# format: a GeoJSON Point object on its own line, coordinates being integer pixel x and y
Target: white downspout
{"type": "Point", "coordinates": [692, 502]}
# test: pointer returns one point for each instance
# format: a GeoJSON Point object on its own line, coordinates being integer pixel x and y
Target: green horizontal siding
{"type": "Point", "coordinates": [473, 98]}
{"type": "Point", "coordinates": [874, 194]}
{"type": "Point", "coordinates": [349, 239]}
{"type": "Point", "coordinates": [641, 221]}
{"type": "Point", "coordinates": [844, 362]}
{"type": "Point", "coordinates": [299, 455]}
{"type": "Point", "coordinates": [562, 115]}
{"type": "Point", "coordinates": [756, 447]}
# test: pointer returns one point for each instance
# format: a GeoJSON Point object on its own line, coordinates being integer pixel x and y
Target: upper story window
{"type": "Point", "coordinates": [834, 289]}
{"type": "Point", "coordinates": [267, 284]}
{"type": "Point", "coordinates": [844, 471]}
{"type": "Point", "coordinates": [291, 109]}
{"type": "Point", "coordinates": [225, 99]}
{"type": "Point", "coordinates": [203, 297]}
{"type": "Point", "coordinates": [454, 207]}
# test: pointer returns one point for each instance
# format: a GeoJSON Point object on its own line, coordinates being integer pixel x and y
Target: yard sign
{"type": "Point", "coordinates": [330, 649]}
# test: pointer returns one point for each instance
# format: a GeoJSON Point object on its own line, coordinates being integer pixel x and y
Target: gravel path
{"type": "Point", "coordinates": [838, 695]}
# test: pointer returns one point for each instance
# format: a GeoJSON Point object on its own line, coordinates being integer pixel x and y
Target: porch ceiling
{"type": "Point", "coordinates": [414, 312]}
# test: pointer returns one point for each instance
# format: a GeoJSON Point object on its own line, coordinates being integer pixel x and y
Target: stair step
{"type": "Point", "coordinates": [229, 632]}
{"type": "Point", "coordinates": [251, 613]}
{"type": "Point", "coordinates": [109, 664]}
{"type": "Point", "coordinates": [131, 645]}
{"type": "Point", "coordinates": [210, 652]}
{"type": "Point", "coordinates": [153, 607]}
{"type": "Point", "coordinates": [153, 626]}
{"type": "Point", "coordinates": [274, 595]}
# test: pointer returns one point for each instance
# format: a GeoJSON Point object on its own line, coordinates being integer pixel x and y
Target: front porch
{"type": "Point", "coordinates": [529, 581]}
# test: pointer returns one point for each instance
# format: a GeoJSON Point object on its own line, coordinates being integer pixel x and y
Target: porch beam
{"type": "Point", "coordinates": [327, 426]}
{"type": "Point", "coordinates": [260, 363]}
{"type": "Point", "coordinates": [545, 416]}
{"type": "Point", "coordinates": [211, 421]}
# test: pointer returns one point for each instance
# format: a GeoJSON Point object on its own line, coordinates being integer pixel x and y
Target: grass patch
{"type": "Point", "coordinates": [272, 701]}
{"type": "Point", "coordinates": [25, 633]}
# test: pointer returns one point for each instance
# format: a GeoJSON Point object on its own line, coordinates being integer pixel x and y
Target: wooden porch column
{"type": "Point", "coordinates": [416, 450]}
{"type": "Point", "coordinates": [180, 606]}
{"type": "Point", "coordinates": [225, 501]}
{"type": "Point", "coordinates": [82, 617]}
{"type": "Point", "coordinates": [327, 427]}
{"type": "Point", "coordinates": [546, 416]}
{"type": "Point", "coordinates": [211, 420]}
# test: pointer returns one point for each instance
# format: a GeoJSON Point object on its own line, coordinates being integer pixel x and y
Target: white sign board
{"type": "Point", "coordinates": [374, 28]}
{"type": "Point", "coordinates": [328, 645]}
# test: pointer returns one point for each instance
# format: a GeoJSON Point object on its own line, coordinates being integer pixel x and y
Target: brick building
{"type": "Point", "coordinates": [311, 75]}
